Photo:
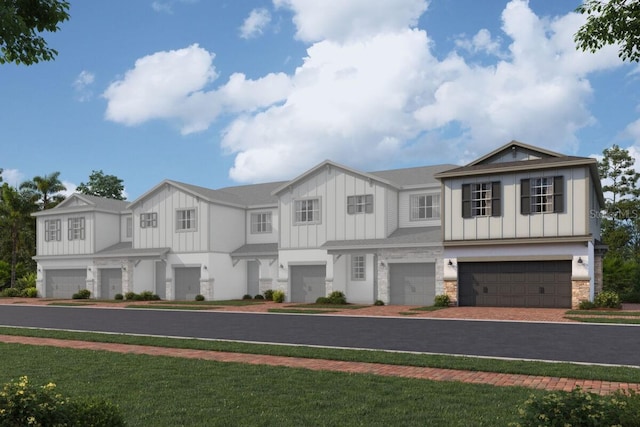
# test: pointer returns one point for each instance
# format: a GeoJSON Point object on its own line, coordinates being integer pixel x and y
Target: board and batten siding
{"type": "Point", "coordinates": [64, 246]}
{"type": "Point", "coordinates": [105, 226]}
{"type": "Point", "coordinates": [263, 237]}
{"type": "Point", "coordinates": [392, 210]}
{"type": "Point", "coordinates": [227, 228]}
{"type": "Point", "coordinates": [166, 201]}
{"type": "Point", "coordinates": [404, 208]}
{"type": "Point", "coordinates": [512, 224]}
{"type": "Point", "coordinates": [332, 186]}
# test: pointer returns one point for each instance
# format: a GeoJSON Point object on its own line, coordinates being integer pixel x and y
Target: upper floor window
{"type": "Point", "coordinates": [481, 199]}
{"type": "Point", "coordinates": [360, 204]}
{"type": "Point", "coordinates": [261, 222]}
{"type": "Point", "coordinates": [425, 206]}
{"type": "Point", "coordinates": [307, 211]}
{"type": "Point", "coordinates": [186, 220]}
{"type": "Point", "coordinates": [76, 228]}
{"type": "Point", "coordinates": [358, 267]}
{"type": "Point", "coordinates": [129, 231]}
{"type": "Point", "coordinates": [149, 220]}
{"type": "Point", "coordinates": [542, 195]}
{"type": "Point", "coordinates": [52, 230]}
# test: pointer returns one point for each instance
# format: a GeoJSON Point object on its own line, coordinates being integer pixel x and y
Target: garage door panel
{"type": "Point", "coordinates": [412, 283]}
{"type": "Point", "coordinates": [187, 283]}
{"type": "Point", "coordinates": [64, 283]}
{"type": "Point", "coordinates": [110, 282]}
{"type": "Point", "coordinates": [515, 283]}
{"type": "Point", "coordinates": [308, 283]}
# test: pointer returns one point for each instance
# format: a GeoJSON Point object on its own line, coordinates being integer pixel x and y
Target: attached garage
{"type": "Point", "coordinates": [64, 283]}
{"type": "Point", "coordinates": [110, 282]}
{"type": "Point", "coordinates": [253, 278]}
{"type": "Point", "coordinates": [308, 283]}
{"type": "Point", "coordinates": [187, 281]}
{"type": "Point", "coordinates": [515, 284]}
{"type": "Point", "coordinates": [412, 283]}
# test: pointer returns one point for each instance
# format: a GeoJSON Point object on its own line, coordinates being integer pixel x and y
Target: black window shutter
{"type": "Point", "coordinates": [558, 194]}
{"type": "Point", "coordinates": [82, 229]}
{"type": "Point", "coordinates": [496, 195]}
{"type": "Point", "coordinates": [466, 200]}
{"type": "Point", "coordinates": [369, 203]}
{"type": "Point", "coordinates": [351, 205]}
{"type": "Point", "coordinates": [525, 196]}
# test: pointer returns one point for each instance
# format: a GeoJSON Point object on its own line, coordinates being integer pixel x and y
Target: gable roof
{"type": "Point", "coordinates": [93, 203]}
{"type": "Point", "coordinates": [513, 145]}
{"type": "Point", "coordinates": [417, 176]}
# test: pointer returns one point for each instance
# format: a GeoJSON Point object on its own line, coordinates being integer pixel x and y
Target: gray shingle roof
{"type": "Point", "coordinates": [256, 250]}
{"type": "Point", "coordinates": [124, 249]}
{"type": "Point", "coordinates": [414, 236]}
{"type": "Point", "coordinates": [422, 175]}
{"type": "Point", "coordinates": [104, 203]}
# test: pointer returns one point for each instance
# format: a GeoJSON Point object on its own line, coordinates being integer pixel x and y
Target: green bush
{"type": "Point", "coordinates": [580, 408]}
{"type": "Point", "coordinates": [442, 300]}
{"type": "Point", "coordinates": [585, 304]}
{"type": "Point", "coordinates": [82, 294]}
{"type": "Point", "coordinates": [278, 296]}
{"type": "Point", "coordinates": [323, 300]}
{"type": "Point", "coordinates": [148, 296]}
{"type": "Point", "coordinates": [23, 404]}
{"type": "Point", "coordinates": [268, 294]}
{"type": "Point", "coordinates": [119, 297]}
{"type": "Point", "coordinates": [378, 302]}
{"type": "Point", "coordinates": [607, 299]}
{"type": "Point", "coordinates": [259, 296]}
{"type": "Point", "coordinates": [30, 292]}
{"type": "Point", "coordinates": [129, 296]}
{"type": "Point", "coordinates": [247, 296]}
{"type": "Point", "coordinates": [199, 297]}
{"type": "Point", "coordinates": [27, 281]}
{"type": "Point", "coordinates": [11, 292]}
{"type": "Point", "coordinates": [631, 297]}
{"type": "Point", "coordinates": [337, 297]}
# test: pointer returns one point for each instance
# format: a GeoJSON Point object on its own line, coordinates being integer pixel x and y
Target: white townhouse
{"type": "Point", "coordinates": [517, 227]}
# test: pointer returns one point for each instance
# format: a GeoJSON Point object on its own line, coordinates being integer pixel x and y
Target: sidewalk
{"type": "Point", "coordinates": [433, 374]}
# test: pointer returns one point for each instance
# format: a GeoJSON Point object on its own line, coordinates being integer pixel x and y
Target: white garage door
{"type": "Point", "coordinates": [110, 282]}
{"type": "Point", "coordinates": [412, 283]}
{"type": "Point", "coordinates": [187, 283]}
{"type": "Point", "coordinates": [64, 283]}
{"type": "Point", "coordinates": [308, 283]}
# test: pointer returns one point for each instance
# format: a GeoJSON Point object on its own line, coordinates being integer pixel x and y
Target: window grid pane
{"type": "Point", "coordinates": [261, 222]}
{"type": "Point", "coordinates": [358, 267]}
{"type": "Point", "coordinates": [76, 228]}
{"type": "Point", "coordinates": [425, 207]}
{"type": "Point", "coordinates": [308, 210]}
{"type": "Point", "coordinates": [481, 199]}
{"type": "Point", "coordinates": [541, 195]}
{"type": "Point", "coordinates": [186, 219]}
{"type": "Point", "coordinates": [149, 220]}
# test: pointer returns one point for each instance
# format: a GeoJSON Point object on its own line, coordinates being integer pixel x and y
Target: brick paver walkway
{"type": "Point", "coordinates": [434, 374]}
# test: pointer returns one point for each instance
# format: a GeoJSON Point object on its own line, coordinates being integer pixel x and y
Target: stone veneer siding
{"type": "Point", "coordinates": [451, 290]}
{"type": "Point", "coordinates": [579, 292]}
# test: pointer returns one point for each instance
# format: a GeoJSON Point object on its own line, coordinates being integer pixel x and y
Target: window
{"type": "Point", "coordinates": [52, 230]}
{"type": "Point", "coordinates": [542, 195]}
{"type": "Point", "coordinates": [307, 211]}
{"type": "Point", "coordinates": [360, 204]}
{"type": "Point", "coordinates": [129, 227]}
{"type": "Point", "coordinates": [149, 220]}
{"type": "Point", "coordinates": [186, 220]}
{"type": "Point", "coordinates": [481, 199]}
{"type": "Point", "coordinates": [358, 267]}
{"type": "Point", "coordinates": [261, 222]}
{"type": "Point", "coordinates": [76, 228]}
{"type": "Point", "coordinates": [425, 207]}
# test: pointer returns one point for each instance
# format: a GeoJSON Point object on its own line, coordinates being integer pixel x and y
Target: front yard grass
{"type": "Point", "coordinates": [233, 302]}
{"type": "Point", "coordinates": [338, 306]}
{"type": "Point", "coordinates": [300, 310]}
{"type": "Point", "coordinates": [166, 391]}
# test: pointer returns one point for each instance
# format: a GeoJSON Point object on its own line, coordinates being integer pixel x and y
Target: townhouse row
{"type": "Point", "coordinates": [516, 227]}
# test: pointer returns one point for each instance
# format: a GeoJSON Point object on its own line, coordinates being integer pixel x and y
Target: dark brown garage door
{"type": "Point", "coordinates": [515, 284]}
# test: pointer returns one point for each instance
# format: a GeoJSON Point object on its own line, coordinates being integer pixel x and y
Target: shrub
{"type": "Point", "coordinates": [30, 292]}
{"type": "Point", "coordinates": [148, 296]}
{"type": "Point", "coordinates": [268, 294]}
{"type": "Point", "coordinates": [323, 300]}
{"type": "Point", "coordinates": [259, 296]}
{"type": "Point", "coordinates": [10, 292]}
{"type": "Point", "coordinates": [607, 299]}
{"type": "Point", "coordinates": [82, 294]}
{"type": "Point", "coordinates": [378, 302]}
{"type": "Point", "coordinates": [199, 297]}
{"type": "Point", "coordinates": [580, 408]}
{"type": "Point", "coordinates": [247, 296]}
{"type": "Point", "coordinates": [278, 296]}
{"type": "Point", "coordinates": [129, 296]}
{"type": "Point", "coordinates": [632, 297]}
{"type": "Point", "coordinates": [585, 304]}
{"type": "Point", "coordinates": [119, 297]}
{"type": "Point", "coordinates": [442, 300]}
{"type": "Point", "coordinates": [24, 404]}
{"type": "Point", "coordinates": [337, 297]}
{"type": "Point", "coordinates": [26, 281]}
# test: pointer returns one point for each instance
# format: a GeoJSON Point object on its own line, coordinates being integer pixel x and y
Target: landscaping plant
{"type": "Point", "coordinates": [278, 296]}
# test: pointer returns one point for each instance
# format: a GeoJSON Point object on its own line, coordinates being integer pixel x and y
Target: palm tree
{"type": "Point", "coordinates": [16, 208]}
{"type": "Point", "coordinates": [47, 187]}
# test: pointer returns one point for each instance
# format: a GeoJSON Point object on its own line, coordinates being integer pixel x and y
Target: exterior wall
{"type": "Point", "coordinates": [64, 264]}
{"type": "Point", "coordinates": [512, 224]}
{"type": "Point", "coordinates": [227, 228]}
{"type": "Point", "coordinates": [332, 186]}
{"type": "Point", "coordinates": [123, 228]}
{"type": "Point", "coordinates": [64, 246]}
{"type": "Point", "coordinates": [595, 214]}
{"type": "Point", "coordinates": [144, 277]}
{"type": "Point", "coordinates": [263, 237]}
{"type": "Point", "coordinates": [107, 230]}
{"type": "Point", "coordinates": [517, 154]}
{"type": "Point", "coordinates": [288, 258]}
{"type": "Point", "coordinates": [392, 211]}
{"type": "Point", "coordinates": [404, 208]}
{"type": "Point", "coordinates": [268, 274]}
{"type": "Point", "coordinates": [356, 291]}
{"type": "Point", "coordinates": [166, 201]}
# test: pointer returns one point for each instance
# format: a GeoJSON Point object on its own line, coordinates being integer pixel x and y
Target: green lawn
{"type": "Point", "coordinates": [164, 391]}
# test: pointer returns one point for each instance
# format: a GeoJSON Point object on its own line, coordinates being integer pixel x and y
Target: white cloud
{"type": "Point", "coordinates": [255, 23]}
{"type": "Point", "coordinates": [70, 188]}
{"type": "Point", "coordinates": [341, 20]}
{"type": "Point", "coordinates": [481, 42]}
{"type": "Point", "coordinates": [13, 177]}
{"type": "Point", "coordinates": [162, 7]}
{"type": "Point", "coordinates": [82, 85]}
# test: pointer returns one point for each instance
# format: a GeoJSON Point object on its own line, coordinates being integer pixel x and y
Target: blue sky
{"type": "Point", "coordinates": [219, 93]}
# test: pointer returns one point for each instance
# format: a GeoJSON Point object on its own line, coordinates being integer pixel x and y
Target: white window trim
{"type": "Point", "coordinates": [354, 277]}
{"type": "Point", "coordinates": [191, 221]}
{"type": "Point", "coordinates": [149, 220]}
{"type": "Point", "coordinates": [481, 206]}
{"type": "Point", "coordinates": [538, 206]}
{"type": "Point", "coordinates": [256, 224]}
{"type": "Point", "coordinates": [360, 202]}
{"type": "Point", "coordinates": [414, 208]}
{"type": "Point", "coordinates": [318, 210]}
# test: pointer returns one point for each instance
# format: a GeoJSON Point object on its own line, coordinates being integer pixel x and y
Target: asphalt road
{"type": "Point", "coordinates": [608, 344]}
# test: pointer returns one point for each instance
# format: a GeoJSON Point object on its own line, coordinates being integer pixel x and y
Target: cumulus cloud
{"type": "Point", "coordinates": [82, 86]}
{"type": "Point", "coordinates": [255, 23]}
{"type": "Point", "coordinates": [13, 177]}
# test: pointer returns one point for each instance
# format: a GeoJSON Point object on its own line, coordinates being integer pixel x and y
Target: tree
{"type": "Point", "coordinates": [617, 165]}
{"type": "Point", "coordinates": [22, 21]}
{"type": "Point", "coordinates": [47, 187]}
{"type": "Point", "coordinates": [611, 22]}
{"type": "Point", "coordinates": [109, 186]}
{"type": "Point", "coordinates": [16, 222]}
